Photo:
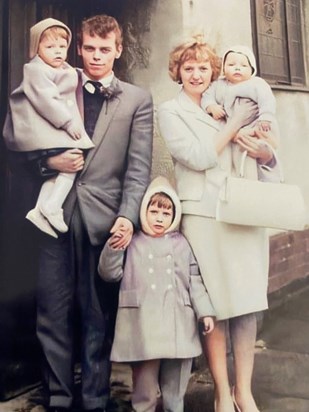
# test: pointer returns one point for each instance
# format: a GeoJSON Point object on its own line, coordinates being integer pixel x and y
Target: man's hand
{"type": "Point", "coordinates": [123, 230]}
{"type": "Point", "coordinates": [70, 161]}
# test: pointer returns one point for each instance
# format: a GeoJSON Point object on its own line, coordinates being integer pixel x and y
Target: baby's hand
{"type": "Point", "coordinates": [209, 324]}
{"type": "Point", "coordinates": [74, 131]}
{"type": "Point", "coordinates": [216, 110]}
{"type": "Point", "coordinates": [264, 125]}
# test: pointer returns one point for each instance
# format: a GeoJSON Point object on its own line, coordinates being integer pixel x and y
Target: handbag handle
{"type": "Point", "coordinates": [278, 163]}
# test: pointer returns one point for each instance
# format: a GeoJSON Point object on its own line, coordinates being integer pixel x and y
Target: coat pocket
{"type": "Point", "coordinates": [128, 299]}
{"type": "Point", "coordinates": [190, 183]}
{"type": "Point", "coordinates": [186, 299]}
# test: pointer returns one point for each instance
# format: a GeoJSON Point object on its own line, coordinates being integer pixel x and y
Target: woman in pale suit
{"type": "Point", "coordinates": [233, 259]}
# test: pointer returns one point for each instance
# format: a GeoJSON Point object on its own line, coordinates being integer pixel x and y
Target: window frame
{"type": "Point", "coordinates": [296, 77]}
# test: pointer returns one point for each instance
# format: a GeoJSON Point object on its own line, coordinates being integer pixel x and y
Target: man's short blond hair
{"type": "Point", "coordinates": [100, 25]}
{"type": "Point", "coordinates": [194, 49]}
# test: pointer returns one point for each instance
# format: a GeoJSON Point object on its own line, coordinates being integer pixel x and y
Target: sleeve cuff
{"type": "Point", "coordinates": [44, 170]}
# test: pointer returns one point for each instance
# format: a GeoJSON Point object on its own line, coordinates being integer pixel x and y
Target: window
{"type": "Point", "coordinates": [278, 39]}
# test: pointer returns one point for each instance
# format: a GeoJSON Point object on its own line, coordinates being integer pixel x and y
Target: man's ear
{"type": "Point", "coordinates": [119, 51]}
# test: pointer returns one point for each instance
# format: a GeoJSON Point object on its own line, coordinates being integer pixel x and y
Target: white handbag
{"type": "Point", "coordinates": [265, 204]}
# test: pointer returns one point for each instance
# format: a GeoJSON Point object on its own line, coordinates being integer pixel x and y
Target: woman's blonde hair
{"type": "Point", "coordinates": [194, 49]}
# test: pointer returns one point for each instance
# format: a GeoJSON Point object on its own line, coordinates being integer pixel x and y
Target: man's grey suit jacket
{"type": "Point", "coordinates": [117, 170]}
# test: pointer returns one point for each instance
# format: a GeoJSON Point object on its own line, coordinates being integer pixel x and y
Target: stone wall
{"type": "Point", "coordinates": [219, 21]}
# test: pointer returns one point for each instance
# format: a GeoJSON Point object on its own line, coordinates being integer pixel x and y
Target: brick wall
{"type": "Point", "coordinates": [289, 259]}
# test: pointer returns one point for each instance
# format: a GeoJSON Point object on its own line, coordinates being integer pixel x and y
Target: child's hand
{"type": "Point", "coordinates": [74, 131]}
{"type": "Point", "coordinates": [209, 324]}
{"type": "Point", "coordinates": [122, 232]}
{"type": "Point", "coordinates": [123, 229]}
{"type": "Point", "coordinates": [264, 125]}
{"type": "Point", "coordinates": [216, 110]}
{"type": "Point", "coordinates": [113, 241]}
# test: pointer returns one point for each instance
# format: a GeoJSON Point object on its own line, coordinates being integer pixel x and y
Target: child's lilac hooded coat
{"type": "Point", "coordinates": [161, 295]}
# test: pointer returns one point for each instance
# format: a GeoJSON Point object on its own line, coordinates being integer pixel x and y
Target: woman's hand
{"type": "Point", "coordinates": [245, 112]}
{"type": "Point", "coordinates": [256, 147]}
{"type": "Point", "coordinates": [267, 136]}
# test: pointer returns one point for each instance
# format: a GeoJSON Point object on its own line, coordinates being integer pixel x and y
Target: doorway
{"type": "Point", "coordinates": [19, 241]}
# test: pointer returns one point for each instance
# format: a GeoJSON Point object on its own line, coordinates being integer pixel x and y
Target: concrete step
{"type": "Point", "coordinates": [288, 335]}
{"type": "Point", "coordinates": [280, 378]}
{"type": "Point", "coordinates": [281, 375]}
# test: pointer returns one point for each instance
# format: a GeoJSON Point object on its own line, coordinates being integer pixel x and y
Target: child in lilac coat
{"type": "Point", "coordinates": [162, 298]}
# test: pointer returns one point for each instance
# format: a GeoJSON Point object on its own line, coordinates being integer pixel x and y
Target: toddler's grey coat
{"type": "Point", "coordinates": [42, 107]}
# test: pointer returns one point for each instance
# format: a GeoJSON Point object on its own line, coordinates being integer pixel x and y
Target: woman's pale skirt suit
{"type": "Point", "coordinates": [233, 259]}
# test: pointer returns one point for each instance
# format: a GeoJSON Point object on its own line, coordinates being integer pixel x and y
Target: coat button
{"type": "Point", "coordinates": [150, 256]}
{"type": "Point", "coordinates": [169, 257]}
{"type": "Point", "coordinates": [153, 286]}
{"type": "Point", "coordinates": [70, 103]}
{"type": "Point", "coordinates": [150, 270]}
{"type": "Point", "coordinates": [169, 271]}
{"type": "Point", "coordinates": [169, 286]}
{"type": "Point", "coordinates": [80, 183]}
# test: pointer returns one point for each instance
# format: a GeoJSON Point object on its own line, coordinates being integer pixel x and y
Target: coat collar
{"type": "Point", "coordinates": [115, 85]}
{"type": "Point", "coordinates": [188, 105]}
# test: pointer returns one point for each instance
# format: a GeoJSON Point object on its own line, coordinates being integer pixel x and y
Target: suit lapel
{"type": "Point", "coordinates": [105, 117]}
{"type": "Point", "coordinates": [79, 93]}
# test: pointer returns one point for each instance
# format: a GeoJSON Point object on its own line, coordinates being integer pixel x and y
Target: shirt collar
{"type": "Point", "coordinates": [106, 81]}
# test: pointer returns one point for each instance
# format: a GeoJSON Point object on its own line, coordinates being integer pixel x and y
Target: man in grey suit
{"type": "Point", "coordinates": [105, 198]}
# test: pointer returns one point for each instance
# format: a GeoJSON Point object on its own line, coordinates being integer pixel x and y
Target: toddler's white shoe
{"type": "Point", "coordinates": [36, 217]}
{"type": "Point", "coordinates": [55, 219]}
